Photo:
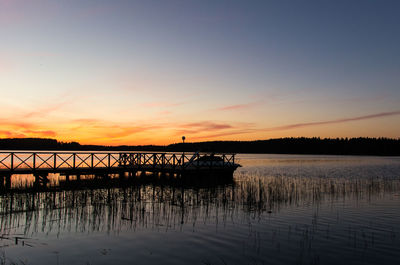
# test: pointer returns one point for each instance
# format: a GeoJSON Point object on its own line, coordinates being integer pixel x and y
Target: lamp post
{"type": "Point", "coordinates": [183, 152]}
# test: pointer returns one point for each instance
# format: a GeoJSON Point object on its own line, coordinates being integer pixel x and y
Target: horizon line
{"type": "Point", "coordinates": [210, 141]}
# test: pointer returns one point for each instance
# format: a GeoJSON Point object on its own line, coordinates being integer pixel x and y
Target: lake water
{"type": "Point", "coordinates": [279, 209]}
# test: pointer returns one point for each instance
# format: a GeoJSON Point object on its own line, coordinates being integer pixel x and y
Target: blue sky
{"type": "Point", "coordinates": [139, 72]}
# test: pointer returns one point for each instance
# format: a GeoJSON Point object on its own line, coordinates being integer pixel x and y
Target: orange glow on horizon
{"type": "Point", "coordinates": [101, 132]}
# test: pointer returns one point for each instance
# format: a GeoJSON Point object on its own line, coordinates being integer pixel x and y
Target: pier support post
{"type": "Point", "coordinates": [132, 174]}
{"type": "Point", "coordinates": [5, 182]}
{"type": "Point", "coordinates": [163, 175]}
{"type": "Point", "coordinates": [37, 180]}
{"type": "Point", "coordinates": [2, 185]}
{"type": "Point", "coordinates": [8, 181]}
{"type": "Point", "coordinates": [41, 179]}
{"type": "Point", "coordinates": [121, 174]}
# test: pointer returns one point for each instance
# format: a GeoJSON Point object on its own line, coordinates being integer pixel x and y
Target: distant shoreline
{"type": "Point", "coordinates": [299, 146]}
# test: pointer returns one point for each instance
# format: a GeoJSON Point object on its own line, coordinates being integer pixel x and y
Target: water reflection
{"type": "Point", "coordinates": [160, 205]}
{"type": "Point", "coordinates": [279, 213]}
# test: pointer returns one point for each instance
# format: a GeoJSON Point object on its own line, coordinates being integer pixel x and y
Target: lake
{"type": "Point", "coordinates": [279, 209]}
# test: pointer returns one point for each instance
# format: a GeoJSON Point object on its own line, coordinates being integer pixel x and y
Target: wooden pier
{"type": "Point", "coordinates": [41, 164]}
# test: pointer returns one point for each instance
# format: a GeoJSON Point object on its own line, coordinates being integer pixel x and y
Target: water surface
{"type": "Point", "coordinates": [279, 209]}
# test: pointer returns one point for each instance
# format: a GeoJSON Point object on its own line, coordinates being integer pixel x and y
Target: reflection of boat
{"type": "Point", "coordinates": [220, 164]}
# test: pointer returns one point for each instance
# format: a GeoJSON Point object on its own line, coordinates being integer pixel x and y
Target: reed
{"type": "Point", "coordinates": [157, 205]}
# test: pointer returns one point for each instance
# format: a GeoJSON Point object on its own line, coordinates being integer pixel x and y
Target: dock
{"type": "Point", "coordinates": [103, 164]}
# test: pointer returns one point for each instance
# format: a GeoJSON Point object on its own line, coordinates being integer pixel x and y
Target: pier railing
{"type": "Point", "coordinates": [14, 162]}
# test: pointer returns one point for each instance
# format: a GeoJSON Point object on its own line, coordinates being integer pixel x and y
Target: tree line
{"type": "Point", "coordinates": [301, 145]}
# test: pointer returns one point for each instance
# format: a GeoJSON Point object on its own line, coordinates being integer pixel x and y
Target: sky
{"type": "Point", "coordinates": [148, 72]}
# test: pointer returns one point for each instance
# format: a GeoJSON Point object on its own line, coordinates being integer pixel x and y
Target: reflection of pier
{"type": "Point", "coordinates": [103, 164]}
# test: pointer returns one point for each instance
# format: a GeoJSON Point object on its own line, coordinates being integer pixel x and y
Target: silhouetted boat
{"type": "Point", "coordinates": [206, 164]}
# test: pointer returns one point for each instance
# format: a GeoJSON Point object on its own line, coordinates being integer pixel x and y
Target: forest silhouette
{"type": "Point", "coordinates": [302, 145]}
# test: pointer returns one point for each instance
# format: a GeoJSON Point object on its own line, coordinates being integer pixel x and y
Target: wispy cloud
{"type": "Point", "coordinates": [343, 120]}
{"type": "Point", "coordinates": [41, 133]}
{"type": "Point", "coordinates": [109, 131]}
{"type": "Point", "coordinates": [207, 125]}
{"type": "Point", "coordinates": [221, 134]}
{"type": "Point", "coordinates": [16, 124]}
{"type": "Point", "coordinates": [209, 130]}
{"type": "Point", "coordinates": [23, 129]}
{"type": "Point", "coordinates": [40, 112]}
{"type": "Point", "coordinates": [121, 132]}
{"type": "Point", "coordinates": [92, 130]}
{"type": "Point", "coordinates": [106, 131]}
{"type": "Point", "coordinates": [240, 106]}
{"type": "Point", "coordinates": [11, 134]}
{"type": "Point", "coordinates": [201, 127]}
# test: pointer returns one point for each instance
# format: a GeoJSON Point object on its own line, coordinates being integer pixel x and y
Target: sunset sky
{"type": "Point", "coordinates": [148, 72]}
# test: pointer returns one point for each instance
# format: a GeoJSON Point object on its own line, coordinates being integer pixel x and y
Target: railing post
{"type": "Point", "coordinates": [154, 160]}
{"type": "Point", "coordinates": [34, 161]}
{"type": "Point", "coordinates": [74, 160]}
{"type": "Point", "coordinates": [91, 164]}
{"type": "Point", "coordinates": [109, 160]}
{"type": "Point", "coordinates": [173, 161]}
{"type": "Point", "coordinates": [55, 161]}
{"type": "Point", "coordinates": [12, 161]}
